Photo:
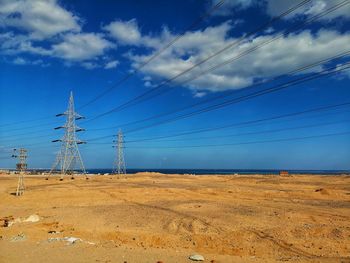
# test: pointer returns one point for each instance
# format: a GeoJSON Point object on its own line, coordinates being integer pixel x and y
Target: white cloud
{"type": "Point", "coordinates": [125, 32]}
{"type": "Point", "coordinates": [230, 6]}
{"type": "Point", "coordinates": [22, 61]}
{"type": "Point", "coordinates": [276, 58]}
{"type": "Point", "coordinates": [275, 7]}
{"type": "Point", "coordinates": [112, 64]}
{"type": "Point", "coordinates": [40, 18]}
{"type": "Point", "coordinates": [80, 47]}
{"type": "Point", "coordinates": [72, 47]}
{"type": "Point", "coordinates": [45, 28]}
{"type": "Point", "coordinates": [345, 72]}
{"type": "Point", "coordinates": [89, 65]}
{"type": "Point", "coordinates": [199, 94]}
{"type": "Point", "coordinates": [19, 61]}
{"type": "Point", "coordinates": [148, 84]}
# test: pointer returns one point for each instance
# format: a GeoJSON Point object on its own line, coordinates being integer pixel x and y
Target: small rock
{"type": "Point", "coordinates": [19, 237]}
{"type": "Point", "coordinates": [71, 240]}
{"type": "Point", "coordinates": [53, 232]}
{"type": "Point", "coordinates": [32, 218]}
{"type": "Point", "coordinates": [196, 257]}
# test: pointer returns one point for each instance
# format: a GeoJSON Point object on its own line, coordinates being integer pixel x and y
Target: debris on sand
{"type": "Point", "coordinates": [9, 221]}
{"type": "Point", "coordinates": [196, 257]}
{"type": "Point", "coordinates": [6, 221]}
{"type": "Point", "coordinates": [32, 218]}
{"type": "Point", "coordinates": [19, 237]}
{"type": "Point", "coordinates": [53, 232]}
{"type": "Point", "coordinates": [69, 240]}
{"type": "Point", "coordinates": [322, 191]}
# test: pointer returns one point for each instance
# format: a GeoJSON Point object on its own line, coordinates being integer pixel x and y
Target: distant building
{"type": "Point", "coordinates": [284, 173]}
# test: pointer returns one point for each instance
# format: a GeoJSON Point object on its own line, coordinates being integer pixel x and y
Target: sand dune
{"type": "Point", "coordinates": [153, 217]}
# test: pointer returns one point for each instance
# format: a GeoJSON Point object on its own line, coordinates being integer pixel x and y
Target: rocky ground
{"type": "Point", "coordinates": [166, 218]}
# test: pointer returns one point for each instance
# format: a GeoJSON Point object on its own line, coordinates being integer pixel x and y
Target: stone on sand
{"type": "Point", "coordinates": [196, 257]}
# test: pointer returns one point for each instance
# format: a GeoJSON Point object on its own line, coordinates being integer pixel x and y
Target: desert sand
{"type": "Point", "coordinates": [151, 217]}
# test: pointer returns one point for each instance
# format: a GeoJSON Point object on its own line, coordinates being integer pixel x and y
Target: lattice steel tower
{"type": "Point", "coordinates": [119, 160]}
{"type": "Point", "coordinates": [21, 166]}
{"type": "Point", "coordinates": [69, 156]}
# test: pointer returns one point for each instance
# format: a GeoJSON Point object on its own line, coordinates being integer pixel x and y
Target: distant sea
{"type": "Point", "coordinates": [221, 171]}
{"type": "Point", "coordinates": [208, 171]}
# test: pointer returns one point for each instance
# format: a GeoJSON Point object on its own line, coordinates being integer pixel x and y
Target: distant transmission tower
{"type": "Point", "coordinates": [21, 166]}
{"type": "Point", "coordinates": [119, 161]}
{"type": "Point", "coordinates": [69, 155]}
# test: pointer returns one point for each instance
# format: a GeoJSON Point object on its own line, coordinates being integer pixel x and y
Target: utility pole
{"type": "Point", "coordinates": [21, 166]}
{"type": "Point", "coordinates": [69, 155]}
{"type": "Point", "coordinates": [119, 161]}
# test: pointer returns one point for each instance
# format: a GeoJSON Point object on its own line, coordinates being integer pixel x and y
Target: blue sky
{"type": "Point", "coordinates": [49, 48]}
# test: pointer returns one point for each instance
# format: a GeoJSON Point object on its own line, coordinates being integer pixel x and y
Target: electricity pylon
{"type": "Point", "coordinates": [69, 154]}
{"type": "Point", "coordinates": [119, 160]}
{"type": "Point", "coordinates": [21, 166]}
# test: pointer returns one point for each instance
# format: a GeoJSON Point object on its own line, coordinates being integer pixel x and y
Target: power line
{"type": "Point", "coordinates": [239, 99]}
{"type": "Point", "coordinates": [271, 21]}
{"type": "Point", "coordinates": [246, 133]}
{"type": "Point", "coordinates": [156, 54]}
{"type": "Point", "coordinates": [235, 43]}
{"type": "Point", "coordinates": [233, 92]}
{"type": "Point", "coordinates": [136, 100]}
{"type": "Point", "coordinates": [247, 52]}
{"type": "Point", "coordinates": [235, 124]}
{"type": "Point", "coordinates": [20, 122]}
{"type": "Point", "coordinates": [243, 126]}
{"type": "Point", "coordinates": [249, 142]}
{"type": "Point", "coordinates": [131, 74]}
{"type": "Point", "coordinates": [288, 84]}
{"type": "Point", "coordinates": [16, 137]}
{"type": "Point", "coordinates": [29, 127]}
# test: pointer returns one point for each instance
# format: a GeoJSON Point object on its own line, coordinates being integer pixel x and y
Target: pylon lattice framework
{"type": "Point", "coordinates": [21, 166]}
{"type": "Point", "coordinates": [119, 162]}
{"type": "Point", "coordinates": [69, 155]}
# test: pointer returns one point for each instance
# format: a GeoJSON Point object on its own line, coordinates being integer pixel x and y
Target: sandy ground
{"type": "Point", "coordinates": [165, 218]}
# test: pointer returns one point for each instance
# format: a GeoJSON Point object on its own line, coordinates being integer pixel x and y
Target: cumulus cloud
{"type": "Point", "coordinates": [112, 64]}
{"type": "Point", "coordinates": [13, 44]}
{"type": "Point", "coordinates": [199, 94]}
{"type": "Point", "coordinates": [125, 32]}
{"type": "Point", "coordinates": [276, 7]}
{"type": "Point", "coordinates": [72, 47]}
{"type": "Point", "coordinates": [82, 46]}
{"type": "Point", "coordinates": [22, 61]}
{"type": "Point", "coordinates": [89, 65]}
{"type": "Point", "coordinates": [278, 57]}
{"type": "Point", "coordinates": [45, 28]}
{"type": "Point", "coordinates": [345, 72]}
{"type": "Point", "coordinates": [230, 6]}
{"type": "Point", "coordinates": [39, 18]}
{"type": "Point", "coordinates": [19, 61]}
